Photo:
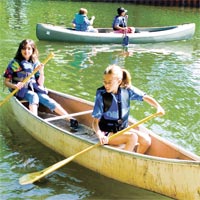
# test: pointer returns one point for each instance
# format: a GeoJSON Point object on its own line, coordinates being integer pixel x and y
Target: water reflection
{"type": "Point", "coordinates": [80, 57]}
{"type": "Point", "coordinates": [83, 56]}
{"type": "Point", "coordinates": [17, 11]}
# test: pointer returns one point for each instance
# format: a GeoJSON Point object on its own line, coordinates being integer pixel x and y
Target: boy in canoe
{"type": "Point", "coordinates": [120, 22]}
{"type": "Point", "coordinates": [82, 23]}
{"type": "Point", "coordinates": [112, 107]}
{"type": "Point", "coordinates": [23, 64]}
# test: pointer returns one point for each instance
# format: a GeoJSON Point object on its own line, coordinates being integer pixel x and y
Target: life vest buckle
{"type": "Point", "coordinates": [119, 121]}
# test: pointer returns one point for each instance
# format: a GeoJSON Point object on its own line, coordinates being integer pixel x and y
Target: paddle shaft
{"type": "Point", "coordinates": [51, 55]}
{"type": "Point", "coordinates": [126, 38]}
{"type": "Point", "coordinates": [32, 177]}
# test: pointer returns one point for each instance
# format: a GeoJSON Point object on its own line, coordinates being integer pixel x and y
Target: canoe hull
{"type": "Point", "coordinates": [106, 35]}
{"type": "Point", "coordinates": [176, 178]}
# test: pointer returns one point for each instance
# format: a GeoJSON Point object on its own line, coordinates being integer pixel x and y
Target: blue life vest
{"type": "Point", "coordinates": [21, 70]}
{"type": "Point", "coordinates": [109, 125]}
{"type": "Point", "coordinates": [80, 22]}
{"type": "Point", "coordinates": [121, 20]}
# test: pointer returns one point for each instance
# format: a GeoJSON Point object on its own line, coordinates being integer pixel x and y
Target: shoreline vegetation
{"type": "Point", "coordinates": [172, 3]}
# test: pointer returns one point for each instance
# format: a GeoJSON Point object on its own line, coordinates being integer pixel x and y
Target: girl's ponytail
{"type": "Point", "coordinates": [126, 79]}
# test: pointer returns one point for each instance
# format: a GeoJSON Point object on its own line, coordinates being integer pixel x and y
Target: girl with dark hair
{"type": "Point", "coordinates": [23, 64]}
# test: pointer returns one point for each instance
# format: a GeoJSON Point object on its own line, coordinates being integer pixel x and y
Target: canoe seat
{"type": "Point", "coordinates": [23, 101]}
{"type": "Point", "coordinates": [105, 30]}
{"type": "Point", "coordinates": [72, 29]}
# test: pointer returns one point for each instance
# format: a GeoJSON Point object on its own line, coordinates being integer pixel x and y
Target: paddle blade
{"type": "Point", "coordinates": [125, 41]}
{"type": "Point", "coordinates": [30, 178]}
{"type": "Point", "coordinates": [35, 176]}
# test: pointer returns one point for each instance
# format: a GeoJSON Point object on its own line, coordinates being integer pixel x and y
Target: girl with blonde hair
{"type": "Point", "coordinates": [112, 107]}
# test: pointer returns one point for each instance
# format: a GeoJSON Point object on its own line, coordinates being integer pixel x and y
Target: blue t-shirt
{"type": "Point", "coordinates": [119, 21]}
{"type": "Point", "coordinates": [15, 68]}
{"type": "Point", "coordinates": [127, 94]}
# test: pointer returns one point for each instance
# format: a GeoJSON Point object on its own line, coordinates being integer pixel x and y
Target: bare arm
{"type": "Point", "coordinates": [9, 84]}
{"type": "Point", "coordinates": [124, 26]}
{"type": "Point", "coordinates": [92, 20]}
{"type": "Point", "coordinates": [102, 138]}
{"type": "Point", "coordinates": [41, 77]}
{"type": "Point", "coordinates": [151, 101]}
{"type": "Point", "coordinates": [120, 28]}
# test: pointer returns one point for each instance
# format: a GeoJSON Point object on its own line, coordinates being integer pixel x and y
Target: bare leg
{"type": "Point", "coordinates": [61, 111]}
{"type": "Point", "coordinates": [144, 142]}
{"type": "Point", "coordinates": [34, 109]}
{"type": "Point", "coordinates": [130, 139]}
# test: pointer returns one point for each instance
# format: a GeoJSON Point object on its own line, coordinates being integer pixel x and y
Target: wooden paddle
{"type": "Point", "coordinates": [51, 55]}
{"type": "Point", "coordinates": [32, 177]}
{"type": "Point", "coordinates": [125, 41]}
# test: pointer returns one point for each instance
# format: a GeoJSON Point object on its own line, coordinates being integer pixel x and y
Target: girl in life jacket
{"type": "Point", "coordinates": [112, 107]}
{"type": "Point", "coordinates": [20, 71]}
{"type": "Point", "coordinates": [23, 64]}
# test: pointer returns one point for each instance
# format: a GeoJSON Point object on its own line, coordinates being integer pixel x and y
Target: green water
{"type": "Point", "coordinates": [170, 72]}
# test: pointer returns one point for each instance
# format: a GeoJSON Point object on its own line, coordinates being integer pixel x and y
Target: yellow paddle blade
{"type": "Point", "coordinates": [35, 176]}
{"type": "Point", "coordinates": [30, 178]}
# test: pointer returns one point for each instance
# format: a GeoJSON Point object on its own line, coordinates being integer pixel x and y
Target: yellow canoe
{"type": "Point", "coordinates": [166, 168]}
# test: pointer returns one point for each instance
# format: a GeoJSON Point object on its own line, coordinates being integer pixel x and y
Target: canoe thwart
{"type": "Point", "coordinates": [68, 115]}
